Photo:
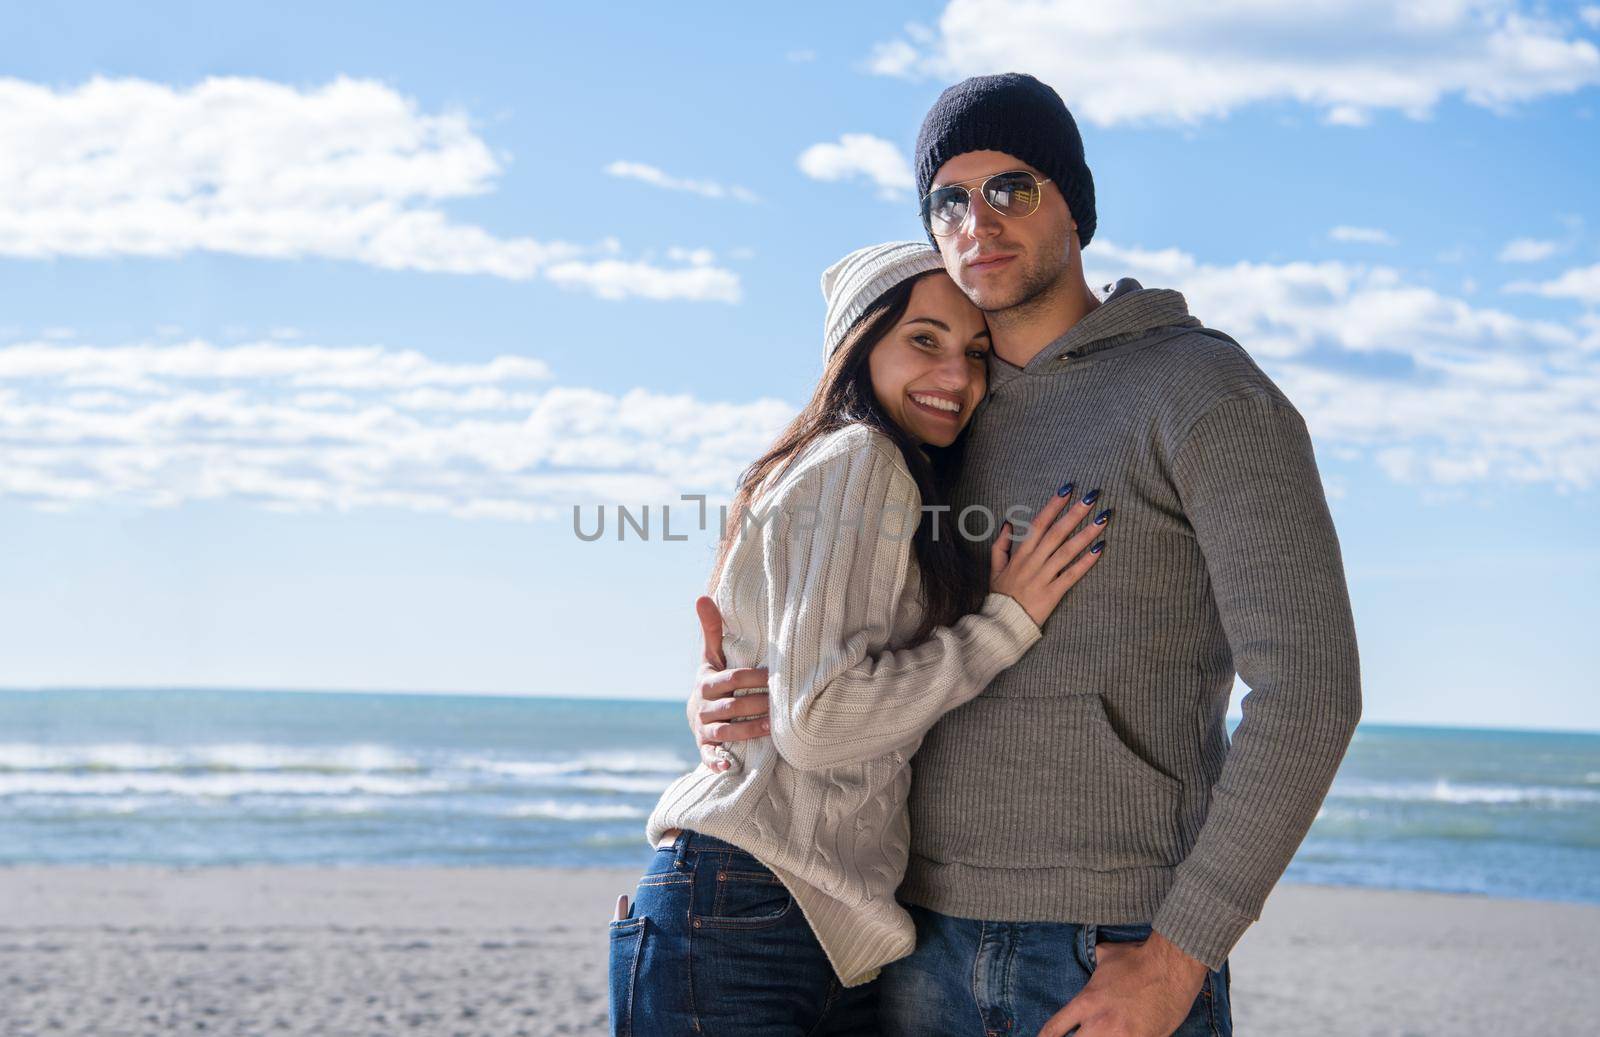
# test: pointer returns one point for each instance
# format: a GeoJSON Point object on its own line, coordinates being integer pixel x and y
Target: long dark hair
{"type": "Point", "coordinates": [953, 582]}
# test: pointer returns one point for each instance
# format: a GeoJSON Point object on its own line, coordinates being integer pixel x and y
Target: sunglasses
{"type": "Point", "coordinates": [1015, 192]}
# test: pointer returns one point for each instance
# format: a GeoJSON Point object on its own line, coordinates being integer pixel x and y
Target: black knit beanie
{"type": "Point", "coordinates": [1019, 115]}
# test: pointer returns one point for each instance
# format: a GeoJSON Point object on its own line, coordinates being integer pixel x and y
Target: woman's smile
{"type": "Point", "coordinates": [941, 406]}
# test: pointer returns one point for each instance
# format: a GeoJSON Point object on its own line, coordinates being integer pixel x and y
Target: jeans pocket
{"type": "Point", "coordinates": [627, 942]}
{"type": "Point", "coordinates": [1095, 936]}
{"type": "Point", "coordinates": [738, 893]}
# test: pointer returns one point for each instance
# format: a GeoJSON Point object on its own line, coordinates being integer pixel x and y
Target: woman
{"type": "Point", "coordinates": [769, 906]}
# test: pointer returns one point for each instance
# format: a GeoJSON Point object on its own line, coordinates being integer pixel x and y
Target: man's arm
{"type": "Point", "coordinates": [1251, 491]}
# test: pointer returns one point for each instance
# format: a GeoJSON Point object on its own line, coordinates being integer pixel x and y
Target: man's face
{"type": "Point", "coordinates": [1004, 261]}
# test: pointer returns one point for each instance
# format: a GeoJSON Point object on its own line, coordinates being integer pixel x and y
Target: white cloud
{"type": "Point", "coordinates": [1286, 309]}
{"type": "Point", "coordinates": [693, 256]}
{"type": "Point", "coordinates": [615, 279]}
{"type": "Point", "coordinates": [1427, 387]}
{"type": "Point", "coordinates": [313, 428]}
{"type": "Point", "coordinates": [1590, 16]}
{"type": "Point", "coordinates": [1346, 115]}
{"type": "Point", "coordinates": [351, 170]}
{"type": "Point", "coordinates": [861, 154]}
{"type": "Point", "coordinates": [364, 367]}
{"type": "Point", "coordinates": [1581, 283]}
{"type": "Point", "coordinates": [1362, 235]}
{"type": "Point", "coordinates": [1176, 61]}
{"type": "Point", "coordinates": [892, 58]}
{"type": "Point", "coordinates": [1590, 324]}
{"type": "Point", "coordinates": [1527, 250]}
{"type": "Point", "coordinates": [705, 188]}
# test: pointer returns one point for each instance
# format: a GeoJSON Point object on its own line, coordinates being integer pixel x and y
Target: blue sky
{"type": "Point", "coordinates": [316, 325]}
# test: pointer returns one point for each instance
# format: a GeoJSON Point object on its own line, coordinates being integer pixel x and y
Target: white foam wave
{"type": "Point", "coordinates": [212, 784]}
{"type": "Point", "coordinates": [1444, 791]}
{"type": "Point", "coordinates": [556, 810]}
{"type": "Point", "coordinates": [618, 783]}
{"type": "Point", "coordinates": [664, 763]}
{"type": "Point", "coordinates": [223, 756]}
{"type": "Point", "coordinates": [52, 805]}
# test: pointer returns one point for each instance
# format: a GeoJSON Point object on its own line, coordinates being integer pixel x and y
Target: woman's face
{"type": "Point", "coordinates": [929, 371]}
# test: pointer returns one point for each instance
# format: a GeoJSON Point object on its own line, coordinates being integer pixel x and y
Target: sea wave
{"type": "Point", "coordinates": [205, 785]}
{"type": "Point", "coordinates": [1444, 791]}
{"type": "Point", "coordinates": [561, 810]}
{"type": "Point", "coordinates": [46, 806]}
{"type": "Point", "coordinates": [618, 783]}
{"type": "Point", "coordinates": [288, 809]}
{"type": "Point", "coordinates": [219, 757]}
{"type": "Point", "coordinates": [252, 768]}
{"type": "Point", "coordinates": [664, 763]}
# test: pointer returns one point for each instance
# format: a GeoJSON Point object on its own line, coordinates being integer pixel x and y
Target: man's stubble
{"type": "Point", "coordinates": [1039, 287]}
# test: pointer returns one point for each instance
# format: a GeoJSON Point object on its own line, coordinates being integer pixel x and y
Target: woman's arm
{"type": "Point", "coordinates": [838, 555]}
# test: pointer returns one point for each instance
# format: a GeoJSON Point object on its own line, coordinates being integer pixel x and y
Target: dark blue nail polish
{"type": "Point", "coordinates": [1100, 519]}
{"type": "Point", "coordinates": [1091, 496]}
{"type": "Point", "coordinates": [1066, 488]}
{"type": "Point", "coordinates": [1099, 545]}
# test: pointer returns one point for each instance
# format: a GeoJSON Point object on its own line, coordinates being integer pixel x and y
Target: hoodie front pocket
{"type": "Point", "coordinates": [1124, 812]}
{"type": "Point", "coordinates": [1068, 791]}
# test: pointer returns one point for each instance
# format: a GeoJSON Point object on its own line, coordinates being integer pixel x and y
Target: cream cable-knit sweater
{"type": "Point", "coordinates": [823, 592]}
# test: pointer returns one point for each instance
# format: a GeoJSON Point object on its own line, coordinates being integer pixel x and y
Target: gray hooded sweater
{"type": "Point", "coordinates": [1094, 781]}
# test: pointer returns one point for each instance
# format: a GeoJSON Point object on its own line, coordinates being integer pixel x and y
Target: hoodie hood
{"type": "Point", "coordinates": [1128, 313]}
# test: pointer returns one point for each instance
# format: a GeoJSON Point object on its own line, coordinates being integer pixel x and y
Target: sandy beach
{"type": "Point", "coordinates": [115, 953]}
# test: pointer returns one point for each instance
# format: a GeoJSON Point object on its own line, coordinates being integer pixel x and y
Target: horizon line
{"type": "Point", "coordinates": [1232, 718]}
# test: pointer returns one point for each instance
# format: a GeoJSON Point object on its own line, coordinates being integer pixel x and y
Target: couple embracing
{"type": "Point", "coordinates": [970, 640]}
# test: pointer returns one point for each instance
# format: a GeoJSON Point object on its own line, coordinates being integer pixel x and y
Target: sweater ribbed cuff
{"type": "Point", "coordinates": [1010, 612]}
{"type": "Point", "coordinates": [1200, 924]}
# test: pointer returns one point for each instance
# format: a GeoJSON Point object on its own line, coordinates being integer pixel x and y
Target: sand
{"type": "Point", "coordinates": [115, 952]}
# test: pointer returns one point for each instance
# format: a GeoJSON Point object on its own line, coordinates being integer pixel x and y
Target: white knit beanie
{"type": "Point", "coordinates": [855, 282]}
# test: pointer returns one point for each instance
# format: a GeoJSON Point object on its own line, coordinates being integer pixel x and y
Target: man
{"type": "Point", "coordinates": [1087, 846]}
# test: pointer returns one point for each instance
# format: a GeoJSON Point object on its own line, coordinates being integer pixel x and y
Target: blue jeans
{"type": "Point", "coordinates": [970, 978]}
{"type": "Point", "coordinates": [715, 946]}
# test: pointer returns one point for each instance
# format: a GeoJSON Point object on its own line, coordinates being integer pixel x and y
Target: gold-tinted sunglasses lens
{"type": "Point", "coordinates": [1012, 194]}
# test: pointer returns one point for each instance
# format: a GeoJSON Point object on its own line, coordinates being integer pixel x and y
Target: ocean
{"type": "Point", "coordinates": [191, 778]}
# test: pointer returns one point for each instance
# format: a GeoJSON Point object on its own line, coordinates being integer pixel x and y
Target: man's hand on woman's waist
{"type": "Point", "coordinates": [716, 714]}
